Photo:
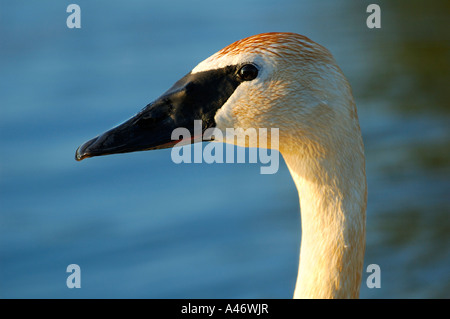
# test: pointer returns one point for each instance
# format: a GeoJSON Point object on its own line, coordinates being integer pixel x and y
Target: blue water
{"type": "Point", "coordinates": [140, 226]}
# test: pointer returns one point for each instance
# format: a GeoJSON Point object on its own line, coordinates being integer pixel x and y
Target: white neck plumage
{"type": "Point", "coordinates": [332, 187]}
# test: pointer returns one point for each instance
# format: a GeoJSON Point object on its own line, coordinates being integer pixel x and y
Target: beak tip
{"type": "Point", "coordinates": [79, 156]}
{"type": "Point", "coordinates": [82, 151]}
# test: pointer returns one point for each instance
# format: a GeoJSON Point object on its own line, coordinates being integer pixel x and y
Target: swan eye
{"type": "Point", "coordinates": [248, 72]}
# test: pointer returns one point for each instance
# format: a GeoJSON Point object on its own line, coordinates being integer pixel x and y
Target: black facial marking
{"type": "Point", "coordinates": [200, 95]}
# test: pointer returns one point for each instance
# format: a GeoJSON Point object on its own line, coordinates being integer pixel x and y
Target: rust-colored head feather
{"type": "Point", "coordinates": [280, 44]}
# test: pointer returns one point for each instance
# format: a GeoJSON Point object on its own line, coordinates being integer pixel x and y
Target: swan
{"type": "Point", "coordinates": [287, 81]}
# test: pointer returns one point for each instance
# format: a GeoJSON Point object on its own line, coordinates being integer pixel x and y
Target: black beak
{"type": "Point", "coordinates": [197, 96]}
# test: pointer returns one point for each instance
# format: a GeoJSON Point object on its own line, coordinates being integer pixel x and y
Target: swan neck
{"type": "Point", "coordinates": [333, 193]}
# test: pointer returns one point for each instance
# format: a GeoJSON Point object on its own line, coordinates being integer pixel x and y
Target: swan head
{"type": "Point", "coordinates": [270, 80]}
{"type": "Point", "coordinates": [287, 82]}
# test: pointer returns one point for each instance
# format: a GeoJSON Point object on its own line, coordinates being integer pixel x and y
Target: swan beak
{"type": "Point", "coordinates": [145, 131]}
{"type": "Point", "coordinates": [197, 96]}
